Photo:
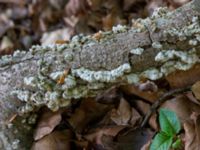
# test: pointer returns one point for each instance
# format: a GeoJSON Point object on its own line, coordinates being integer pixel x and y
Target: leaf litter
{"type": "Point", "coordinates": [113, 119]}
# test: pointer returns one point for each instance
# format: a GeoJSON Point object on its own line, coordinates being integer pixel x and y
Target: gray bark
{"type": "Point", "coordinates": [178, 30]}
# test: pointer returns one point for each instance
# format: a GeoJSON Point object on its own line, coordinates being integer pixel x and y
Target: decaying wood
{"type": "Point", "coordinates": [112, 50]}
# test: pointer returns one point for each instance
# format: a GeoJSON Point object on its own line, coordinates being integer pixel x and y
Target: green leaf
{"type": "Point", "coordinates": [169, 122]}
{"type": "Point", "coordinates": [177, 144]}
{"type": "Point", "coordinates": [161, 142]}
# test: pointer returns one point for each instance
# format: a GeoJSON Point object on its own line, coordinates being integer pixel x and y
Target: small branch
{"type": "Point", "coordinates": [160, 101]}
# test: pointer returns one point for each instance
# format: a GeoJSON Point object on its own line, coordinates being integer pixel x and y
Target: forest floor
{"type": "Point", "coordinates": [150, 115]}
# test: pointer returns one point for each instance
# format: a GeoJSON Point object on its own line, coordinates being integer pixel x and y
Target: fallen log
{"type": "Point", "coordinates": [54, 75]}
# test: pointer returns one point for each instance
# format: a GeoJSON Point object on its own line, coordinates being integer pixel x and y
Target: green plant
{"type": "Point", "coordinates": [170, 126]}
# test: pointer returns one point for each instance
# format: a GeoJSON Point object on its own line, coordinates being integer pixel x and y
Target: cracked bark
{"type": "Point", "coordinates": [107, 55]}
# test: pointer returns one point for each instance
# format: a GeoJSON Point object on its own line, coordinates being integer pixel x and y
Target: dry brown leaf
{"type": "Point", "coordinates": [122, 114]}
{"type": "Point", "coordinates": [76, 7]}
{"type": "Point", "coordinates": [125, 114]}
{"type": "Point", "coordinates": [154, 4]}
{"type": "Point", "coordinates": [181, 79]}
{"type": "Point", "coordinates": [133, 139]}
{"type": "Point", "coordinates": [60, 34]}
{"type": "Point", "coordinates": [48, 121]}
{"type": "Point", "coordinates": [192, 133]}
{"type": "Point", "coordinates": [127, 4]}
{"type": "Point", "coordinates": [6, 44]}
{"type": "Point", "coordinates": [142, 107]}
{"type": "Point", "coordinates": [89, 111]}
{"type": "Point", "coordinates": [148, 86]}
{"type": "Point", "coordinates": [177, 3]}
{"type": "Point", "coordinates": [111, 20]}
{"type": "Point", "coordinates": [57, 140]}
{"type": "Point", "coordinates": [97, 135]}
{"type": "Point", "coordinates": [182, 106]}
{"type": "Point", "coordinates": [134, 90]}
{"type": "Point", "coordinates": [110, 96]}
{"type": "Point", "coordinates": [153, 122]}
{"type": "Point", "coordinates": [192, 98]}
{"type": "Point", "coordinates": [146, 146]}
{"type": "Point", "coordinates": [136, 118]}
{"type": "Point", "coordinates": [196, 90]}
{"type": "Point", "coordinates": [5, 24]}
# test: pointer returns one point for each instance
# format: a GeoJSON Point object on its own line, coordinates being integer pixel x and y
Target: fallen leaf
{"type": "Point", "coordinates": [75, 7]}
{"type": "Point", "coordinates": [89, 111]}
{"type": "Point", "coordinates": [48, 121]}
{"type": "Point", "coordinates": [153, 122]}
{"type": "Point", "coordinates": [60, 34]}
{"type": "Point", "coordinates": [5, 24]}
{"type": "Point", "coordinates": [127, 4]}
{"type": "Point", "coordinates": [148, 86]}
{"type": "Point", "coordinates": [122, 114]}
{"type": "Point", "coordinates": [136, 118]}
{"type": "Point", "coordinates": [146, 146]}
{"type": "Point", "coordinates": [133, 139]}
{"type": "Point", "coordinates": [182, 106]}
{"type": "Point", "coordinates": [134, 90]}
{"type": "Point", "coordinates": [110, 96]}
{"type": "Point", "coordinates": [57, 140]}
{"type": "Point", "coordinates": [196, 90]}
{"type": "Point", "coordinates": [6, 44]}
{"type": "Point", "coordinates": [192, 132]}
{"type": "Point", "coordinates": [191, 97]}
{"type": "Point", "coordinates": [177, 3]}
{"type": "Point", "coordinates": [142, 106]}
{"type": "Point", "coordinates": [125, 114]}
{"type": "Point", "coordinates": [97, 134]}
{"type": "Point", "coordinates": [181, 79]}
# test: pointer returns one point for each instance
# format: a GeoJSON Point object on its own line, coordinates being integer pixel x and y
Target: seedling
{"type": "Point", "coordinates": [170, 127]}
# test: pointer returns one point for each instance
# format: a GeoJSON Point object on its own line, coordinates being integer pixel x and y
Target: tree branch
{"type": "Point", "coordinates": [54, 75]}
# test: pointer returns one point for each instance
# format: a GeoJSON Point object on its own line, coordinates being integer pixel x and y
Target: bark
{"type": "Point", "coordinates": [105, 59]}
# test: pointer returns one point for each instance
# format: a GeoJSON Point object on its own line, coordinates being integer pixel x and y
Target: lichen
{"type": "Point", "coordinates": [133, 78]}
{"type": "Point", "coordinates": [189, 57]}
{"type": "Point", "coordinates": [75, 93]}
{"type": "Point", "coordinates": [160, 12]}
{"type": "Point", "coordinates": [176, 60]}
{"type": "Point", "coordinates": [22, 95]}
{"type": "Point", "coordinates": [69, 82]}
{"type": "Point", "coordinates": [137, 51]}
{"type": "Point", "coordinates": [193, 42]}
{"type": "Point", "coordinates": [193, 28]}
{"type": "Point", "coordinates": [152, 74]}
{"type": "Point", "coordinates": [119, 29]}
{"type": "Point", "coordinates": [101, 76]}
{"type": "Point", "coordinates": [157, 45]}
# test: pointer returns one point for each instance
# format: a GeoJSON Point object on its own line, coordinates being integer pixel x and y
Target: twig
{"type": "Point", "coordinates": [161, 100]}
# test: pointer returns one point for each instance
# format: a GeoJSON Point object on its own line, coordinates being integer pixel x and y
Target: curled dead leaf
{"type": "Point", "coordinates": [182, 106]}
{"type": "Point", "coordinates": [125, 114]}
{"type": "Point", "coordinates": [97, 134]}
{"type": "Point", "coordinates": [181, 79]}
{"type": "Point", "coordinates": [192, 132]}
{"type": "Point", "coordinates": [57, 140]}
{"type": "Point", "coordinates": [134, 90]}
{"type": "Point", "coordinates": [89, 111]}
{"type": "Point", "coordinates": [196, 90]}
{"type": "Point", "coordinates": [48, 121]}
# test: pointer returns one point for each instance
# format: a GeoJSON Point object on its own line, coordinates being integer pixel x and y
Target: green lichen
{"type": "Point", "coordinates": [176, 60]}
{"type": "Point", "coordinates": [133, 78]}
{"type": "Point", "coordinates": [137, 51]}
{"type": "Point", "coordinates": [152, 74]}
{"type": "Point", "coordinates": [119, 29]}
{"type": "Point", "coordinates": [157, 45]}
{"type": "Point", "coordinates": [101, 76]}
